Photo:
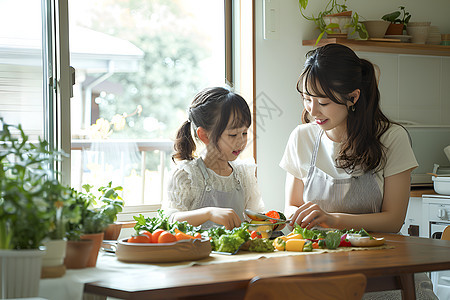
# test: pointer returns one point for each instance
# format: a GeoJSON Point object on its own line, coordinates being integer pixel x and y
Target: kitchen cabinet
{"type": "Point", "coordinates": [385, 47]}
{"type": "Point", "coordinates": [413, 219]}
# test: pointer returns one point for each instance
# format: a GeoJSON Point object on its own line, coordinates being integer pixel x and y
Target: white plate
{"type": "Point", "coordinates": [402, 38]}
{"type": "Point", "coordinates": [364, 241]}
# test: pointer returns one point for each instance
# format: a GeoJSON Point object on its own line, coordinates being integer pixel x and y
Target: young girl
{"type": "Point", "coordinates": [216, 187]}
{"type": "Point", "coordinates": [350, 167]}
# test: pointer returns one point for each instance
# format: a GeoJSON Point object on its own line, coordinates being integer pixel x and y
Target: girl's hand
{"type": "Point", "coordinates": [309, 215]}
{"type": "Point", "coordinates": [224, 216]}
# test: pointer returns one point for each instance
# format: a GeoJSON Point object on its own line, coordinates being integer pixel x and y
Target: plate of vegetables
{"type": "Point", "coordinates": [158, 240]}
{"type": "Point", "coordinates": [180, 250]}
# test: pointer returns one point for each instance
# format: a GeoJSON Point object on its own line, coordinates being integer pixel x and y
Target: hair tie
{"type": "Point", "coordinates": [189, 119]}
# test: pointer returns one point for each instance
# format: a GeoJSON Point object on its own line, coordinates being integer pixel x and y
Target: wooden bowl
{"type": "Point", "coordinates": [364, 241]}
{"type": "Point", "coordinates": [183, 250]}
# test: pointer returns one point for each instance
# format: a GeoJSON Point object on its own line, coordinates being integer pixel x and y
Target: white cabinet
{"type": "Point", "coordinates": [413, 219]}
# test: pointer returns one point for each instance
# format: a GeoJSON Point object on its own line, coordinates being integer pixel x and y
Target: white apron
{"type": "Point", "coordinates": [216, 198]}
{"type": "Point", "coordinates": [357, 194]}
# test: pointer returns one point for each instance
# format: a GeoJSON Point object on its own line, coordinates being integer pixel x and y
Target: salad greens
{"type": "Point", "coordinates": [224, 240]}
{"type": "Point", "coordinates": [161, 221]}
{"type": "Point", "coordinates": [261, 245]}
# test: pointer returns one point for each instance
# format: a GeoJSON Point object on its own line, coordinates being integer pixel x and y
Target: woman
{"type": "Point", "coordinates": [350, 166]}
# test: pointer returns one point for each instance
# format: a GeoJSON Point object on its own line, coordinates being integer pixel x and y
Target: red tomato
{"type": "Point", "coordinates": [156, 234]}
{"type": "Point", "coordinates": [149, 234]}
{"type": "Point", "coordinates": [273, 214]}
{"type": "Point", "coordinates": [255, 235]}
{"type": "Point", "coordinates": [139, 239]}
{"type": "Point", "coordinates": [166, 237]}
{"type": "Point", "coordinates": [182, 236]}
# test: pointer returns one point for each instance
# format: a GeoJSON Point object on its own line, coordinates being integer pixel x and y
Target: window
{"type": "Point", "coordinates": [21, 65]}
{"type": "Point", "coordinates": [137, 66]}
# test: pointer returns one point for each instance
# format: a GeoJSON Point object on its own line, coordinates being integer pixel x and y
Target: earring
{"type": "Point", "coordinates": [353, 107]}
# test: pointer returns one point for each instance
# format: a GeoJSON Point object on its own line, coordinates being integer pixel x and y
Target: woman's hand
{"type": "Point", "coordinates": [309, 215]}
{"type": "Point", "coordinates": [224, 216]}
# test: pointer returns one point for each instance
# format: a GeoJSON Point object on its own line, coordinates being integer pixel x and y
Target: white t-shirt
{"type": "Point", "coordinates": [186, 186]}
{"type": "Point", "coordinates": [299, 149]}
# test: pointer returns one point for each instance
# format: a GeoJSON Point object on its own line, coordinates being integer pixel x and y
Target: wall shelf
{"type": "Point", "coordinates": [385, 47]}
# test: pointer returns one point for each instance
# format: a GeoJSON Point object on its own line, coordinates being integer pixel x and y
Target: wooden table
{"type": "Point", "coordinates": [386, 269]}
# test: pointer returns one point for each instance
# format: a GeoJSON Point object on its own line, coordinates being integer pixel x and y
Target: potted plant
{"type": "Point", "coordinates": [60, 199]}
{"type": "Point", "coordinates": [335, 19]}
{"type": "Point", "coordinates": [399, 20]}
{"type": "Point", "coordinates": [26, 215]}
{"type": "Point", "coordinates": [96, 213]}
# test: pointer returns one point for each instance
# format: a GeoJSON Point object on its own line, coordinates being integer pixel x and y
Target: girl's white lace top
{"type": "Point", "coordinates": [186, 186]}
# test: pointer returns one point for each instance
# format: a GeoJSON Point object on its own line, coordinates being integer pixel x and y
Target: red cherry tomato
{"type": "Point", "coordinates": [149, 234]}
{"type": "Point", "coordinates": [156, 234]}
{"type": "Point", "coordinates": [139, 239]}
{"type": "Point", "coordinates": [166, 237]}
{"type": "Point", "coordinates": [255, 235]}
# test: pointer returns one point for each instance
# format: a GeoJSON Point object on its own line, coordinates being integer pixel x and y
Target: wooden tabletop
{"type": "Point", "coordinates": [385, 269]}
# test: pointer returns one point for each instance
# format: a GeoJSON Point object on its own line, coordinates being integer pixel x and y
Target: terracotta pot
{"type": "Point", "coordinates": [394, 29]}
{"type": "Point", "coordinates": [97, 239]}
{"type": "Point", "coordinates": [78, 253]}
{"type": "Point", "coordinates": [112, 232]}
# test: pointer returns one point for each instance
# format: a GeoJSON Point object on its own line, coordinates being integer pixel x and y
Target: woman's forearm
{"type": "Point", "coordinates": [376, 222]}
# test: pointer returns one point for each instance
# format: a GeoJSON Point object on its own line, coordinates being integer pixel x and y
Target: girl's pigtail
{"type": "Point", "coordinates": [184, 143]}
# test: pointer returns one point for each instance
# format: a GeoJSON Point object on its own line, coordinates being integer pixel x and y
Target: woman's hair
{"type": "Point", "coordinates": [211, 109]}
{"type": "Point", "coordinates": [334, 71]}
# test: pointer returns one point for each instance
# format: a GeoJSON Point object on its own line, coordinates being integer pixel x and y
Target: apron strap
{"type": "Point", "coordinates": [316, 148]}
{"type": "Point", "coordinates": [201, 165]}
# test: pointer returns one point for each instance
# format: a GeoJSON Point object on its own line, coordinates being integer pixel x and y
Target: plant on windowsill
{"type": "Point", "coordinates": [399, 20]}
{"type": "Point", "coordinates": [94, 219]}
{"type": "Point", "coordinates": [335, 20]}
{"type": "Point", "coordinates": [27, 214]}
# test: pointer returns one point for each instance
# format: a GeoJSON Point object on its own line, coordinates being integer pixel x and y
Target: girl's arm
{"type": "Point", "coordinates": [390, 219]}
{"type": "Point", "coordinates": [223, 216]}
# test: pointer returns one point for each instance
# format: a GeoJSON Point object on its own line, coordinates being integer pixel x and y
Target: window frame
{"type": "Point", "coordinates": [59, 77]}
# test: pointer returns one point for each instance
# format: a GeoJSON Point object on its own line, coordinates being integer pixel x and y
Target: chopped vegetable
{"type": "Point", "coordinates": [333, 239]}
{"type": "Point", "coordinates": [294, 236]}
{"type": "Point", "coordinates": [139, 239]}
{"type": "Point", "coordinates": [321, 244]}
{"type": "Point", "coordinates": [308, 246]}
{"type": "Point", "coordinates": [280, 243]}
{"type": "Point", "coordinates": [261, 245]}
{"type": "Point", "coordinates": [344, 241]}
{"type": "Point", "coordinates": [228, 243]}
{"type": "Point", "coordinates": [308, 233]}
{"type": "Point", "coordinates": [255, 235]}
{"type": "Point", "coordinates": [295, 245]}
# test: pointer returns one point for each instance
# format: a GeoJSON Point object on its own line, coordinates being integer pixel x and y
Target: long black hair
{"type": "Point", "coordinates": [211, 109]}
{"type": "Point", "coordinates": [334, 71]}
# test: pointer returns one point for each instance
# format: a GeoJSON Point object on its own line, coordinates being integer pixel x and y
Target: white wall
{"type": "Point", "coordinates": [412, 87]}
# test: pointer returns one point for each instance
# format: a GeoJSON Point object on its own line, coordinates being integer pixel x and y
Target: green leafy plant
{"type": "Point", "coordinates": [333, 7]}
{"type": "Point", "coordinates": [398, 17]}
{"type": "Point", "coordinates": [27, 214]}
{"type": "Point", "coordinates": [94, 218]}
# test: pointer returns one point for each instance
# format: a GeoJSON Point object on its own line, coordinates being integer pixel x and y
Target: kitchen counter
{"type": "Point", "coordinates": [418, 192]}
